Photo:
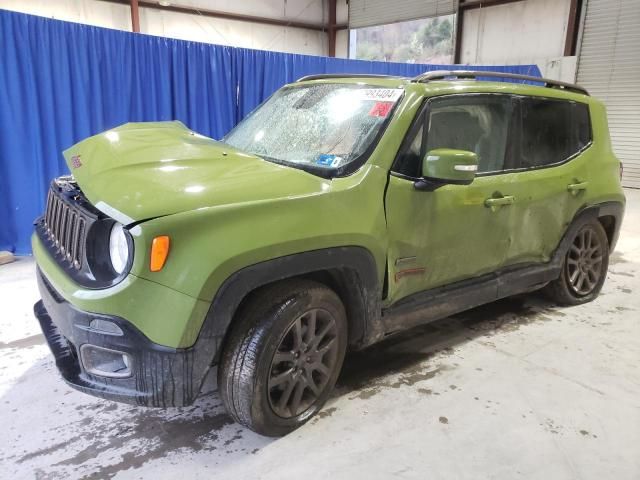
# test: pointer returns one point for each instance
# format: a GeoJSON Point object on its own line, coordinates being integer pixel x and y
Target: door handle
{"type": "Point", "coordinates": [495, 203]}
{"type": "Point", "coordinates": [576, 188]}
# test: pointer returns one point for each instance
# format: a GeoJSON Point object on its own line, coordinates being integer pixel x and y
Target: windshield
{"type": "Point", "coordinates": [316, 127]}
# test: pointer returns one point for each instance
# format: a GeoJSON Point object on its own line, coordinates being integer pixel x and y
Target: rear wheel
{"type": "Point", "coordinates": [585, 267]}
{"type": "Point", "coordinates": [283, 356]}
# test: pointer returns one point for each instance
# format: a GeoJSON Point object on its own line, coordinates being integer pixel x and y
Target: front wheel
{"type": "Point", "coordinates": [585, 267]}
{"type": "Point", "coordinates": [283, 356]}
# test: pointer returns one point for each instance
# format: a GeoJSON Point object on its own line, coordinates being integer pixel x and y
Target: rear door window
{"type": "Point", "coordinates": [551, 131]}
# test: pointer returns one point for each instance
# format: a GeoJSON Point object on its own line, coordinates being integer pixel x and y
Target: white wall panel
{"type": "Point", "coordinates": [342, 43]}
{"type": "Point", "coordinates": [310, 11]}
{"type": "Point", "coordinates": [201, 28]}
{"type": "Point", "coordinates": [520, 32]}
{"type": "Point", "coordinates": [90, 12]}
{"type": "Point", "coordinates": [231, 32]}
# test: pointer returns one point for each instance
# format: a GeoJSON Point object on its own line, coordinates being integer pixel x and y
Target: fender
{"type": "Point", "coordinates": [357, 280]}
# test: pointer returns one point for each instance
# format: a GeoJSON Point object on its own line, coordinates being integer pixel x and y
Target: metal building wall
{"type": "Point", "coordinates": [609, 67]}
{"type": "Point", "coordinates": [365, 13]}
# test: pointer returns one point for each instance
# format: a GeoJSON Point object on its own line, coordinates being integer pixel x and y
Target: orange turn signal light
{"type": "Point", "coordinates": [159, 252]}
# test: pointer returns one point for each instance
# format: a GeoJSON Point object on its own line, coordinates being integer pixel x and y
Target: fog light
{"type": "Point", "coordinates": [105, 362]}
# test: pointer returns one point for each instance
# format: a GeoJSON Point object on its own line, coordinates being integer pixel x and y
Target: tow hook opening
{"type": "Point", "coordinates": [105, 362]}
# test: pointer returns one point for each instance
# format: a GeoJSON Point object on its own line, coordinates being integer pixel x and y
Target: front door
{"type": "Point", "coordinates": [456, 232]}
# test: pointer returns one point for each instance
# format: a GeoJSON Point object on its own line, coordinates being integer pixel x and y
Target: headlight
{"type": "Point", "coordinates": [118, 248]}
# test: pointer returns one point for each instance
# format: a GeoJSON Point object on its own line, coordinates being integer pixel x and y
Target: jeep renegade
{"type": "Point", "coordinates": [342, 210]}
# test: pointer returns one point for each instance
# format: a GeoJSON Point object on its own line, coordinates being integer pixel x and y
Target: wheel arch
{"type": "Point", "coordinates": [610, 224]}
{"type": "Point", "coordinates": [609, 214]}
{"type": "Point", "coordinates": [350, 271]}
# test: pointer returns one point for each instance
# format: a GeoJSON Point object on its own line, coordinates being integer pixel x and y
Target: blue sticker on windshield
{"type": "Point", "coordinates": [325, 159]}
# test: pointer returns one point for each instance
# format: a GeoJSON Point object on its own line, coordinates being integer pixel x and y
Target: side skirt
{"type": "Point", "coordinates": [441, 302]}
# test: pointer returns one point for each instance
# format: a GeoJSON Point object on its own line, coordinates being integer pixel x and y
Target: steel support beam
{"type": "Point", "coordinates": [135, 16]}
{"type": "Point", "coordinates": [573, 25]}
{"type": "Point", "coordinates": [470, 4]}
{"type": "Point", "coordinates": [457, 52]}
{"type": "Point", "coordinates": [331, 30]}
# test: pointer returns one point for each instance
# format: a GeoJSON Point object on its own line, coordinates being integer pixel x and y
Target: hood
{"type": "Point", "coordinates": [144, 170]}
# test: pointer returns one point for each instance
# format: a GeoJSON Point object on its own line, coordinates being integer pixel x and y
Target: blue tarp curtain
{"type": "Point", "coordinates": [61, 82]}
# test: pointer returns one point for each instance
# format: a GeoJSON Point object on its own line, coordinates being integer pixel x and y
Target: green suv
{"type": "Point", "coordinates": [341, 211]}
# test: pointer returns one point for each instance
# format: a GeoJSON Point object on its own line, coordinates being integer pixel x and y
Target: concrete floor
{"type": "Point", "coordinates": [517, 389]}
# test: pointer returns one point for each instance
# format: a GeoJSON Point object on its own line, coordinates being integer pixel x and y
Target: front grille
{"type": "Point", "coordinates": [66, 228]}
{"type": "Point", "coordinates": [76, 235]}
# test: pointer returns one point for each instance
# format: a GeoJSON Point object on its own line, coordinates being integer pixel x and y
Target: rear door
{"type": "Point", "coordinates": [551, 140]}
{"type": "Point", "coordinates": [455, 232]}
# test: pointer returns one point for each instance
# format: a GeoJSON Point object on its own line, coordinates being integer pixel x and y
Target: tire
{"type": "Point", "coordinates": [253, 381]}
{"type": "Point", "coordinates": [580, 263]}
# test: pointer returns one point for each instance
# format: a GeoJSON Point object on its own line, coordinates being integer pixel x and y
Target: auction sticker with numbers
{"type": "Point", "coordinates": [380, 94]}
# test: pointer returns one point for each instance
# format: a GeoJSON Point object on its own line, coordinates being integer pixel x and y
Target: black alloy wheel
{"type": "Point", "coordinates": [584, 262]}
{"type": "Point", "coordinates": [302, 365]}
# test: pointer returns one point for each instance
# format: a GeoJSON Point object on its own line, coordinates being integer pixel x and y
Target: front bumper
{"type": "Point", "coordinates": [157, 376]}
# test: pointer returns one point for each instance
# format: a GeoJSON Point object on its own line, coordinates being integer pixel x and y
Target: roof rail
{"type": "Point", "coordinates": [473, 74]}
{"type": "Point", "coordinates": [321, 76]}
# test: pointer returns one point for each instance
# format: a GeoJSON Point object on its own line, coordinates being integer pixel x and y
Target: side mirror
{"type": "Point", "coordinates": [444, 166]}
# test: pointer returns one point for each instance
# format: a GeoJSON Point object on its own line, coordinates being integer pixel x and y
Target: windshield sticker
{"type": "Point", "coordinates": [328, 160]}
{"type": "Point", "coordinates": [337, 161]}
{"type": "Point", "coordinates": [380, 94]}
{"type": "Point", "coordinates": [380, 109]}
